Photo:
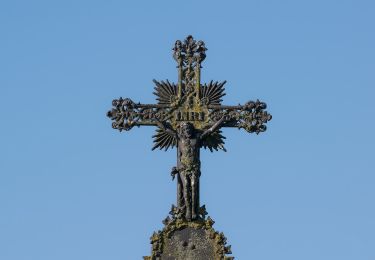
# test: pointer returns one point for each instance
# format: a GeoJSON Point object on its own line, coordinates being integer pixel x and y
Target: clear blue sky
{"type": "Point", "coordinates": [73, 188]}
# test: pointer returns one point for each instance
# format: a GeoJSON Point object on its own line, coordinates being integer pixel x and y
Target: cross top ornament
{"type": "Point", "coordinates": [189, 115]}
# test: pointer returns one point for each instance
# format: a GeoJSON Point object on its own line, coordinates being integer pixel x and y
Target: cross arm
{"type": "Point", "coordinates": [166, 129]}
{"type": "Point", "coordinates": [213, 128]}
{"type": "Point", "coordinates": [252, 116]}
{"type": "Point", "coordinates": [126, 114]}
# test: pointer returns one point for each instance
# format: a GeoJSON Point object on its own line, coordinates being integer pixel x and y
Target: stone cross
{"type": "Point", "coordinates": [188, 115]}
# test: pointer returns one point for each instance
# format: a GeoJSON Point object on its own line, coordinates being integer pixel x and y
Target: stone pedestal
{"type": "Point", "coordinates": [189, 240]}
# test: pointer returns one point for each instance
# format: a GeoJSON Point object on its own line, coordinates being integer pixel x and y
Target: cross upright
{"type": "Point", "coordinates": [189, 116]}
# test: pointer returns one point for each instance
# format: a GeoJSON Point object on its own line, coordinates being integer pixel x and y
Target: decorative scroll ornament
{"type": "Point", "coordinates": [250, 116]}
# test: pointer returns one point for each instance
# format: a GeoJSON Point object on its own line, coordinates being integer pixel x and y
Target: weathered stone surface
{"type": "Point", "coordinates": [189, 244]}
{"type": "Point", "coordinates": [189, 240]}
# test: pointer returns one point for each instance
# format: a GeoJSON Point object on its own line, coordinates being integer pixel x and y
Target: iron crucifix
{"type": "Point", "coordinates": [189, 116]}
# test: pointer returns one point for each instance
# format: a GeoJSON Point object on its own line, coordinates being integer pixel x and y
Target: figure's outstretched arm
{"type": "Point", "coordinates": [213, 128]}
{"type": "Point", "coordinates": [166, 129]}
